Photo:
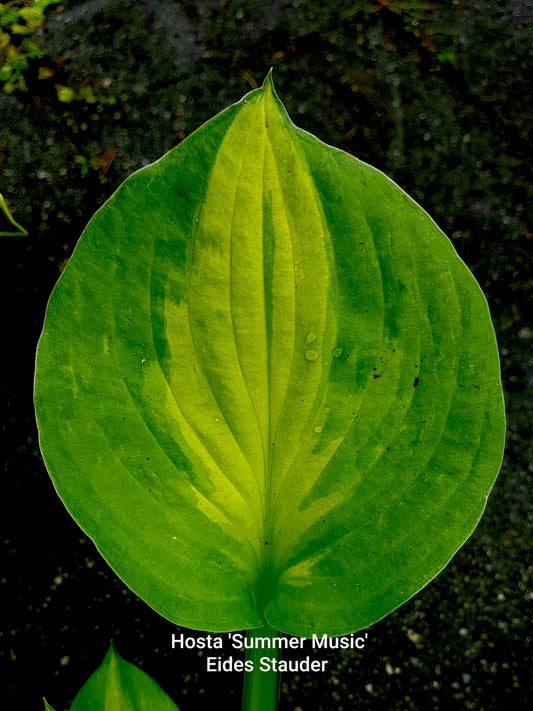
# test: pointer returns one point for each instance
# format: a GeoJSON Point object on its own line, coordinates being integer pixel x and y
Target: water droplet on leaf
{"type": "Point", "coordinates": [311, 355]}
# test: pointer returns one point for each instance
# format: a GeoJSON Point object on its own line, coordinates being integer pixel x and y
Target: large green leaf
{"type": "Point", "coordinates": [267, 386]}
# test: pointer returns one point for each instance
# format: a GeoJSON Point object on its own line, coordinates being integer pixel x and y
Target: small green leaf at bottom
{"type": "Point", "coordinates": [118, 685]}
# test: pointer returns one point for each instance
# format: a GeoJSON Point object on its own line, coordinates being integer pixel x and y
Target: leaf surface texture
{"type": "Point", "coordinates": [267, 386]}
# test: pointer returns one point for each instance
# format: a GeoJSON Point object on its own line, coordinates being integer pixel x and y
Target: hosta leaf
{"type": "Point", "coordinates": [267, 386]}
{"type": "Point", "coordinates": [118, 685]}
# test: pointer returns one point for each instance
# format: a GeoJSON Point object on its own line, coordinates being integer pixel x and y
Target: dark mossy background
{"type": "Point", "coordinates": [438, 96]}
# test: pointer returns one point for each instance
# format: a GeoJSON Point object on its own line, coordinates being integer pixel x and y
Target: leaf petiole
{"type": "Point", "coordinates": [261, 687]}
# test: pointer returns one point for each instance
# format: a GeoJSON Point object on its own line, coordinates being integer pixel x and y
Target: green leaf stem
{"type": "Point", "coordinates": [267, 386]}
{"type": "Point", "coordinates": [8, 226]}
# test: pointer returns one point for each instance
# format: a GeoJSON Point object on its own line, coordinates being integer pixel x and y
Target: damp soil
{"type": "Point", "coordinates": [436, 96]}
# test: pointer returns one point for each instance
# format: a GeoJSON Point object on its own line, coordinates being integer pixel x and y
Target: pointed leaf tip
{"type": "Point", "coordinates": [269, 81]}
{"type": "Point", "coordinates": [268, 85]}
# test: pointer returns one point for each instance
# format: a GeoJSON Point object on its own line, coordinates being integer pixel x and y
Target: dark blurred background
{"type": "Point", "coordinates": [435, 94]}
